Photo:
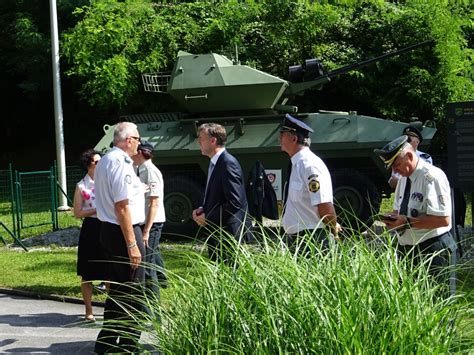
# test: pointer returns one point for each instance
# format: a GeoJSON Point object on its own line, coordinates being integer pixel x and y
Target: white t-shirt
{"type": "Point", "coordinates": [310, 185]}
{"type": "Point", "coordinates": [151, 176]}
{"type": "Point", "coordinates": [116, 180]}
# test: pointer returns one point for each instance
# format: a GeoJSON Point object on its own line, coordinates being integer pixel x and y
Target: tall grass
{"type": "Point", "coordinates": [356, 298]}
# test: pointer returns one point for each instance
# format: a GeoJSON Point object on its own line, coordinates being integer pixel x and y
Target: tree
{"type": "Point", "coordinates": [115, 42]}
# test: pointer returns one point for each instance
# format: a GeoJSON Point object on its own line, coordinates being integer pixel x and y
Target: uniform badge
{"type": "Point", "coordinates": [313, 185]}
{"type": "Point", "coordinates": [441, 200]}
{"type": "Point", "coordinates": [128, 179]}
{"type": "Point", "coordinates": [418, 196]}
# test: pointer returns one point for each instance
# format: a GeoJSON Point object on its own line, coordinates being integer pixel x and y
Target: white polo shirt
{"type": "Point", "coordinates": [151, 176]}
{"type": "Point", "coordinates": [430, 194]}
{"type": "Point", "coordinates": [310, 185]}
{"type": "Point", "coordinates": [116, 180]}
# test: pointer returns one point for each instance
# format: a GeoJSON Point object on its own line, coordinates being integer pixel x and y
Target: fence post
{"type": "Point", "coordinates": [12, 196]}
{"type": "Point", "coordinates": [54, 197]}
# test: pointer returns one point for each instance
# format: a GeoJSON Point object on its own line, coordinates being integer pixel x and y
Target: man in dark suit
{"type": "Point", "coordinates": [224, 208]}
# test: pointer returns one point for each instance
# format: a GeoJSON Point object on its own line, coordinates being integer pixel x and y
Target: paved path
{"type": "Point", "coordinates": [31, 325]}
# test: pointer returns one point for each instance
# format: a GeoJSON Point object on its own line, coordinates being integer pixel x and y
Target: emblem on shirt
{"type": "Point", "coordinates": [128, 179]}
{"type": "Point", "coordinates": [313, 185]}
{"type": "Point", "coordinates": [441, 200]}
{"type": "Point", "coordinates": [418, 196]}
{"type": "Point", "coordinates": [153, 185]}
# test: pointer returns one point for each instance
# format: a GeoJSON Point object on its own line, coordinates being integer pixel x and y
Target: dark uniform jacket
{"type": "Point", "coordinates": [261, 196]}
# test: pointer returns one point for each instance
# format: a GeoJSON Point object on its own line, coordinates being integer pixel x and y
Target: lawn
{"type": "Point", "coordinates": [53, 271]}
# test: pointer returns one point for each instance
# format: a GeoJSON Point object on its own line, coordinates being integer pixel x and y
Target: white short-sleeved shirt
{"type": "Point", "coordinates": [430, 194]}
{"type": "Point", "coordinates": [310, 185]}
{"type": "Point", "coordinates": [151, 176]}
{"type": "Point", "coordinates": [87, 189]}
{"type": "Point", "coordinates": [116, 180]}
{"type": "Point", "coordinates": [425, 156]}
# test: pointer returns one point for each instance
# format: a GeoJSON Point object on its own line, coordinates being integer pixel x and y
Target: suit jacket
{"type": "Point", "coordinates": [225, 203]}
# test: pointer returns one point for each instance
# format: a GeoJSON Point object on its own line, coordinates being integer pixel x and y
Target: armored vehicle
{"type": "Point", "coordinates": [251, 104]}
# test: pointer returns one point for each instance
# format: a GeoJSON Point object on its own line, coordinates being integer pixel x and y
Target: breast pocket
{"type": "Point", "coordinates": [416, 205]}
{"type": "Point", "coordinates": [296, 190]}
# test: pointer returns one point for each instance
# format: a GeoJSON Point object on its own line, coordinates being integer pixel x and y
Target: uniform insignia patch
{"type": "Point", "coordinates": [429, 177]}
{"type": "Point", "coordinates": [128, 179]}
{"type": "Point", "coordinates": [153, 185]}
{"type": "Point", "coordinates": [128, 161]}
{"type": "Point", "coordinates": [417, 196]}
{"type": "Point", "coordinates": [313, 185]}
{"type": "Point", "coordinates": [441, 199]}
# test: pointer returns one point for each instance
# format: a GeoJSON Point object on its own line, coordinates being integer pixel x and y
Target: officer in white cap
{"type": "Point", "coordinates": [415, 138]}
{"type": "Point", "coordinates": [308, 196]}
{"type": "Point", "coordinates": [422, 206]}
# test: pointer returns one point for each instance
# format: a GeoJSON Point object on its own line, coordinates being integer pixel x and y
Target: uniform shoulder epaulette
{"type": "Point", "coordinates": [428, 176]}
{"type": "Point", "coordinates": [425, 156]}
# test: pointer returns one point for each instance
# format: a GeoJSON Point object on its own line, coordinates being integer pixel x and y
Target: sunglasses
{"type": "Point", "coordinates": [136, 138]}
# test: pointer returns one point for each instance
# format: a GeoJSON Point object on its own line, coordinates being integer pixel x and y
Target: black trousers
{"type": "Point", "coordinates": [305, 241]}
{"type": "Point", "coordinates": [126, 288]}
{"type": "Point", "coordinates": [420, 252]}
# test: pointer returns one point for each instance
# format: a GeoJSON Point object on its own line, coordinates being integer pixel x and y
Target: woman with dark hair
{"type": "Point", "coordinates": [89, 252]}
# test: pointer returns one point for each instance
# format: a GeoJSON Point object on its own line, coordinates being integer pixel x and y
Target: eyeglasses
{"type": "Point", "coordinates": [136, 138]}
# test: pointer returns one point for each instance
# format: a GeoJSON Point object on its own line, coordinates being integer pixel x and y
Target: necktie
{"type": "Point", "coordinates": [406, 197]}
{"type": "Point", "coordinates": [209, 172]}
{"type": "Point", "coordinates": [138, 171]}
{"type": "Point", "coordinates": [287, 184]}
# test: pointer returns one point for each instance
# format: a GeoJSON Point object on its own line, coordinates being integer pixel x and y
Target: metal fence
{"type": "Point", "coordinates": [29, 200]}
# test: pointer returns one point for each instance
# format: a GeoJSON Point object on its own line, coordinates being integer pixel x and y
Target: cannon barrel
{"type": "Point", "coordinates": [297, 88]}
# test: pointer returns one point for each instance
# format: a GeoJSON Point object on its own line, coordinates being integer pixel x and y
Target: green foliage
{"type": "Point", "coordinates": [115, 42]}
{"type": "Point", "coordinates": [357, 298]}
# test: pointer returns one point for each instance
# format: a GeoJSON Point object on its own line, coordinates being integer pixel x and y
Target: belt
{"type": "Point", "coordinates": [446, 239]}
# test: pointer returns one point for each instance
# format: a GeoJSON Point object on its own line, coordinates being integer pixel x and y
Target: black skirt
{"type": "Point", "coordinates": [91, 261]}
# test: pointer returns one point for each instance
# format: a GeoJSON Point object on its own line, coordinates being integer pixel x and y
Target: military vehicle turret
{"type": "Point", "coordinates": [251, 105]}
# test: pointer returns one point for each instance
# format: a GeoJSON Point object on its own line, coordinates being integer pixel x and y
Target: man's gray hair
{"type": "Point", "coordinates": [123, 130]}
{"type": "Point", "coordinates": [302, 140]}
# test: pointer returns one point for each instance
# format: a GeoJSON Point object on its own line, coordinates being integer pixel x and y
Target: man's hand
{"type": "Point", "coordinates": [135, 257]}
{"type": "Point", "coordinates": [145, 237]}
{"type": "Point", "coordinates": [199, 217]}
{"type": "Point", "coordinates": [396, 221]}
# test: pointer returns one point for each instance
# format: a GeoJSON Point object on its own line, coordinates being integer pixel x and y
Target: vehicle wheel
{"type": "Point", "coordinates": [356, 198]}
{"type": "Point", "coordinates": [182, 196]}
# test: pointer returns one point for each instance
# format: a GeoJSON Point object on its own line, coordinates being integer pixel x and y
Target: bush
{"type": "Point", "coordinates": [356, 298]}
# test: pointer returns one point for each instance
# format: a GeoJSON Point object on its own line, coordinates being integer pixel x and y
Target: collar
{"type": "Point", "coordinates": [146, 163]}
{"type": "Point", "coordinates": [299, 155]}
{"type": "Point", "coordinates": [418, 170]}
{"type": "Point", "coordinates": [121, 152]}
{"type": "Point", "coordinates": [216, 156]}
